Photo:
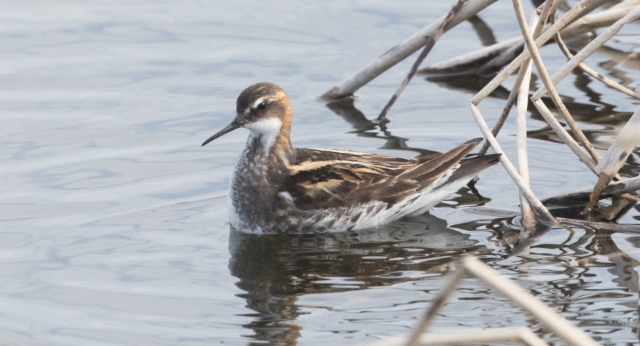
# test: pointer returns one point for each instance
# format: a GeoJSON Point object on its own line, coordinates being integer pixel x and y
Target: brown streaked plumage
{"type": "Point", "coordinates": [276, 188]}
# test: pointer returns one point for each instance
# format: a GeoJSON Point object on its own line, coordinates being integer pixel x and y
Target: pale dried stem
{"type": "Point", "coordinates": [598, 20]}
{"type": "Point", "coordinates": [618, 153]}
{"type": "Point", "coordinates": [474, 267]}
{"type": "Point", "coordinates": [594, 4]}
{"type": "Point", "coordinates": [400, 52]}
{"type": "Point", "coordinates": [517, 62]}
{"type": "Point", "coordinates": [511, 100]}
{"type": "Point", "coordinates": [583, 25]}
{"type": "Point", "coordinates": [471, 58]}
{"type": "Point", "coordinates": [525, 190]}
{"type": "Point", "coordinates": [542, 211]}
{"type": "Point", "coordinates": [621, 147]}
{"type": "Point", "coordinates": [436, 305]}
{"type": "Point", "coordinates": [564, 135]}
{"type": "Point", "coordinates": [616, 156]}
{"type": "Point", "coordinates": [444, 26]}
{"type": "Point", "coordinates": [528, 217]}
{"type": "Point", "coordinates": [533, 305]}
{"type": "Point", "coordinates": [549, 7]}
{"type": "Point", "coordinates": [587, 51]}
{"type": "Point", "coordinates": [593, 73]}
{"type": "Point", "coordinates": [546, 80]}
{"type": "Point", "coordinates": [601, 225]}
{"type": "Point", "coordinates": [513, 94]}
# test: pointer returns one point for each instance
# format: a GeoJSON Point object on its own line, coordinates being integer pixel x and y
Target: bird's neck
{"type": "Point", "coordinates": [271, 151]}
{"type": "Point", "coordinates": [269, 140]}
{"type": "Point", "coordinates": [265, 160]}
{"type": "Point", "coordinates": [259, 176]}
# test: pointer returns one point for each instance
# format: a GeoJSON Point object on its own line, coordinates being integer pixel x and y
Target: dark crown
{"type": "Point", "coordinates": [249, 95]}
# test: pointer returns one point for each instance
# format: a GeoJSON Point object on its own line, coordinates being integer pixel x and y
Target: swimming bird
{"type": "Point", "coordinates": [277, 188]}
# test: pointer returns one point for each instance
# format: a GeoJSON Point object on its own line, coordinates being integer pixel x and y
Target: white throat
{"type": "Point", "coordinates": [267, 130]}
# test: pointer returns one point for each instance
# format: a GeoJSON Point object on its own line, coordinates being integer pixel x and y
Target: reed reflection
{"type": "Point", "coordinates": [367, 128]}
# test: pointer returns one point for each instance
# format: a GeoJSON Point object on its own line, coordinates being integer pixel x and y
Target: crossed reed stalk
{"type": "Point", "coordinates": [542, 27]}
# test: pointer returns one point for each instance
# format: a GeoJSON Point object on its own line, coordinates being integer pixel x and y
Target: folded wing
{"type": "Point", "coordinates": [325, 178]}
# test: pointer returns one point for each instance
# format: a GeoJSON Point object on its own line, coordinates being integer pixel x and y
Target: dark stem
{"type": "Point", "coordinates": [427, 48]}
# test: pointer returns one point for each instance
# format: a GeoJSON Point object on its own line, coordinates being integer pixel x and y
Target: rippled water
{"type": "Point", "coordinates": [113, 226]}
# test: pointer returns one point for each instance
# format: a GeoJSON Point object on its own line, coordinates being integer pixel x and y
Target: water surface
{"type": "Point", "coordinates": [113, 223]}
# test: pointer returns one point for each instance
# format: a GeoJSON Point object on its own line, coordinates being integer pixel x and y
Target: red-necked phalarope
{"type": "Point", "coordinates": [277, 188]}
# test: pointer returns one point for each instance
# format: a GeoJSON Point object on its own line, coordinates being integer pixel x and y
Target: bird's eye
{"type": "Point", "coordinates": [262, 106]}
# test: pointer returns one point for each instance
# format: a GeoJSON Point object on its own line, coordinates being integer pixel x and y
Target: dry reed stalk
{"type": "Point", "coordinates": [563, 47]}
{"type": "Point", "coordinates": [474, 267]}
{"type": "Point", "coordinates": [542, 39]}
{"type": "Point", "coordinates": [546, 10]}
{"type": "Point", "coordinates": [503, 53]}
{"type": "Point", "coordinates": [472, 337]}
{"type": "Point", "coordinates": [540, 209]}
{"type": "Point", "coordinates": [589, 49]}
{"type": "Point", "coordinates": [544, 111]}
{"type": "Point", "coordinates": [591, 157]}
{"type": "Point", "coordinates": [511, 100]}
{"type": "Point", "coordinates": [596, 4]}
{"type": "Point", "coordinates": [470, 61]}
{"type": "Point", "coordinates": [400, 52]}
{"type": "Point", "coordinates": [564, 135]}
{"type": "Point", "coordinates": [620, 150]}
{"type": "Point", "coordinates": [532, 42]}
{"type": "Point", "coordinates": [552, 320]}
{"type": "Point", "coordinates": [599, 20]}
{"type": "Point", "coordinates": [442, 298]}
{"type": "Point", "coordinates": [528, 217]}
{"type": "Point", "coordinates": [616, 156]}
{"type": "Point", "coordinates": [546, 80]}
{"type": "Point", "coordinates": [518, 334]}
{"type": "Point", "coordinates": [431, 41]}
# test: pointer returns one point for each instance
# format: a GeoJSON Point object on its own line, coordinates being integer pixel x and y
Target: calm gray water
{"type": "Point", "coordinates": [113, 221]}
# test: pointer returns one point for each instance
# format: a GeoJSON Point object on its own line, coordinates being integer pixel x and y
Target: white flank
{"type": "Point", "coordinates": [267, 129]}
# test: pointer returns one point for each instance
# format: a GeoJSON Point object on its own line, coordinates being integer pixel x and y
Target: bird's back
{"type": "Point", "coordinates": [326, 178]}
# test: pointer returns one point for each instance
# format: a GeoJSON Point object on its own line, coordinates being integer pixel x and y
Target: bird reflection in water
{"type": "Point", "coordinates": [274, 270]}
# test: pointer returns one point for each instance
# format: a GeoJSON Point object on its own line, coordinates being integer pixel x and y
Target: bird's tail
{"type": "Point", "coordinates": [471, 166]}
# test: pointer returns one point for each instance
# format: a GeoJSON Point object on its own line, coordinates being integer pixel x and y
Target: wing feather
{"type": "Point", "coordinates": [325, 178]}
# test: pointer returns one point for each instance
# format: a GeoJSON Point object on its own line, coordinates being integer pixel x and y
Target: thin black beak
{"type": "Point", "coordinates": [234, 125]}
